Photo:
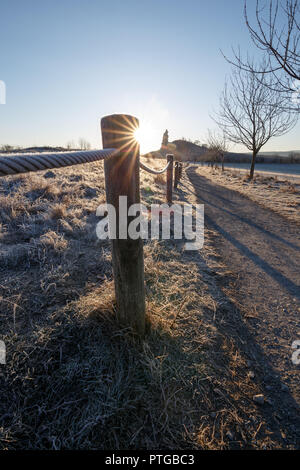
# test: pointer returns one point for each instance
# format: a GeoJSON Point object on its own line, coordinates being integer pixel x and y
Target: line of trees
{"type": "Point", "coordinates": [83, 144]}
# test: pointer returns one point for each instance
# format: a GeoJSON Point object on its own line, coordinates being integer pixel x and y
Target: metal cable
{"type": "Point", "coordinates": [24, 163]}
{"type": "Point", "coordinates": [151, 170]}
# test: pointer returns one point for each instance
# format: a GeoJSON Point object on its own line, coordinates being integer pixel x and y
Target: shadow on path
{"type": "Point", "coordinates": [267, 283]}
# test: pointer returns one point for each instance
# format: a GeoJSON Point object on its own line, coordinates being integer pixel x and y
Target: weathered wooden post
{"type": "Point", "coordinates": [122, 179]}
{"type": "Point", "coordinates": [170, 159]}
{"type": "Point", "coordinates": [176, 175]}
{"type": "Point", "coordinates": [180, 171]}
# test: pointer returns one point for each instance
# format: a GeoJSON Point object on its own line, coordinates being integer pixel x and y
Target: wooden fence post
{"type": "Point", "coordinates": [170, 159]}
{"type": "Point", "coordinates": [180, 171]}
{"type": "Point", "coordinates": [122, 179]}
{"type": "Point", "coordinates": [176, 175]}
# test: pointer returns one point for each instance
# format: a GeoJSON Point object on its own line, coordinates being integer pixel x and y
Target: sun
{"type": "Point", "coordinates": [142, 133]}
{"type": "Point", "coordinates": [138, 135]}
{"type": "Point", "coordinates": [145, 136]}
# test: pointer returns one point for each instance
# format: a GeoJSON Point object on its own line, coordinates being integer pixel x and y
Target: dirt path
{"type": "Point", "coordinates": [262, 249]}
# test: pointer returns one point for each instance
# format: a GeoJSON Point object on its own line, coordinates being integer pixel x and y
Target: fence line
{"type": "Point", "coordinates": [121, 167]}
{"type": "Point", "coordinates": [24, 163]}
{"type": "Point", "coordinates": [176, 175]}
{"type": "Point", "coordinates": [170, 159]}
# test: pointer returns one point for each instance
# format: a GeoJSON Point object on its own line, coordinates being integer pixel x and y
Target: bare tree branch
{"type": "Point", "coordinates": [251, 112]}
{"type": "Point", "coordinates": [276, 33]}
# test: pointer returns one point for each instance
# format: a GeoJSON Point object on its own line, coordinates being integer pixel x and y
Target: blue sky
{"type": "Point", "coordinates": [67, 63]}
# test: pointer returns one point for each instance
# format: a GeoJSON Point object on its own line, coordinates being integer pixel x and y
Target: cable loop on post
{"type": "Point", "coordinates": [151, 170]}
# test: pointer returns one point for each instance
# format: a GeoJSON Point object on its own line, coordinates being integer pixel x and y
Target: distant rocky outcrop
{"type": "Point", "coordinates": [188, 151]}
{"type": "Point", "coordinates": [183, 150]}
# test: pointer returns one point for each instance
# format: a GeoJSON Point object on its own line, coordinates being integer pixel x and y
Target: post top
{"type": "Point", "coordinates": [118, 131]}
{"type": "Point", "coordinates": [119, 118]}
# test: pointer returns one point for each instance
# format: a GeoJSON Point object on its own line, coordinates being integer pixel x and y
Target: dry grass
{"type": "Point", "coordinates": [160, 179]}
{"type": "Point", "coordinates": [73, 378]}
{"type": "Point", "coordinates": [58, 212]}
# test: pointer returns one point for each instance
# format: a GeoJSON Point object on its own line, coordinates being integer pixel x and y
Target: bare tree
{"type": "Point", "coordinates": [251, 112]}
{"type": "Point", "coordinates": [84, 144]}
{"type": "Point", "coordinates": [70, 145]}
{"type": "Point", "coordinates": [218, 145]}
{"type": "Point", "coordinates": [277, 34]}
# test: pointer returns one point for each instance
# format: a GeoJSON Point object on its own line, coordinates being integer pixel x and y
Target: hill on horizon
{"type": "Point", "coordinates": [185, 150]}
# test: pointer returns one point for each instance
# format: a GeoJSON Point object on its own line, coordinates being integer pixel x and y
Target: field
{"type": "Point", "coordinates": [73, 378]}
